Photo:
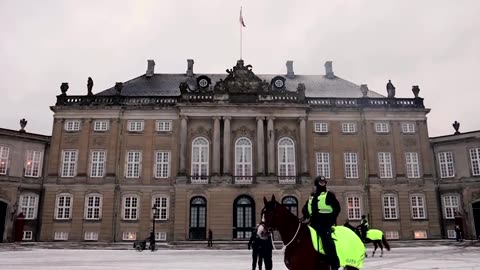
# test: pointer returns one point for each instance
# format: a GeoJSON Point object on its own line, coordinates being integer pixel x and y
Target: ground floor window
{"type": "Point", "coordinates": [198, 218]}
{"type": "Point", "coordinates": [243, 217]}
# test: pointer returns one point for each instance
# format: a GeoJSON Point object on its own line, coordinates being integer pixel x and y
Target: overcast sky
{"type": "Point", "coordinates": [434, 44]}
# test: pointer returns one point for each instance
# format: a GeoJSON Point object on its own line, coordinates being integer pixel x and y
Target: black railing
{"type": "Point", "coordinates": [367, 102]}
{"type": "Point", "coordinates": [114, 100]}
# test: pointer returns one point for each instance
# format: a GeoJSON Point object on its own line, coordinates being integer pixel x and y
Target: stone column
{"type": "Point", "coordinates": [303, 145]}
{"type": "Point", "coordinates": [183, 144]}
{"type": "Point", "coordinates": [260, 146]}
{"type": "Point", "coordinates": [226, 145]}
{"type": "Point", "coordinates": [271, 146]}
{"type": "Point", "coordinates": [216, 146]}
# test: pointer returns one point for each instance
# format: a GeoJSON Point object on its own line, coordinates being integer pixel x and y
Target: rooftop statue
{"type": "Point", "coordinates": [390, 89]}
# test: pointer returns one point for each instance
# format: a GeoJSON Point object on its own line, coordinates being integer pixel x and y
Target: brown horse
{"type": "Point", "coordinates": [300, 253]}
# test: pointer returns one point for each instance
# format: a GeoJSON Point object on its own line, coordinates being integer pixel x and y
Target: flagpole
{"type": "Point", "coordinates": [241, 32]}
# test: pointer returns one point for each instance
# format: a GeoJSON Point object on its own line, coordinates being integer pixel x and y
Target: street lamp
{"type": "Point", "coordinates": [152, 235]}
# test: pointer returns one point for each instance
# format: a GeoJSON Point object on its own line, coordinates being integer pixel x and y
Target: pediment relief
{"type": "Point", "coordinates": [285, 132]}
{"type": "Point", "coordinates": [241, 80]}
{"type": "Point", "coordinates": [200, 131]}
{"type": "Point", "coordinates": [243, 131]}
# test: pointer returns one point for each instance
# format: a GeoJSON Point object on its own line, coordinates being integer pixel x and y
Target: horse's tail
{"type": "Point", "coordinates": [385, 243]}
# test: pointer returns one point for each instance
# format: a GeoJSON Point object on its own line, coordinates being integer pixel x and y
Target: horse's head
{"type": "Point", "coordinates": [271, 213]}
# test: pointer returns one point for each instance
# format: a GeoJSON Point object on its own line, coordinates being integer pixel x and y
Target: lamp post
{"type": "Point", "coordinates": [152, 235]}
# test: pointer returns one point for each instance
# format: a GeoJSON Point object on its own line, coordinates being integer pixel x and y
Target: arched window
{"type": "Point", "coordinates": [93, 206]}
{"type": "Point", "coordinates": [286, 161]}
{"type": "Point", "coordinates": [200, 160]}
{"type": "Point", "coordinates": [243, 161]}
{"type": "Point", "coordinates": [291, 203]}
{"type": "Point", "coordinates": [198, 218]}
{"type": "Point", "coordinates": [243, 217]}
{"type": "Point", "coordinates": [63, 206]}
{"type": "Point", "coordinates": [390, 206]}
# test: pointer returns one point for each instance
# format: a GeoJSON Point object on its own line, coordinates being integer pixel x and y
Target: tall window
{"type": "Point", "coordinates": [243, 217]}
{"type": "Point", "coordinates": [93, 206]}
{"type": "Point", "coordinates": [390, 206]}
{"type": "Point", "coordinates": [353, 207]}
{"type": "Point", "coordinates": [69, 167]}
{"type": "Point", "coordinates": [198, 218]}
{"type": "Point", "coordinates": [243, 160]}
{"type": "Point", "coordinates": [381, 127]}
{"type": "Point", "coordinates": [200, 159]}
{"type": "Point", "coordinates": [475, 159]}
{"type": "Point", "coordinates": [351, 165]}
{"type": "Point", "coordinates": [291, 204]}
{"type": "Point", "coordinates": [161, 204]}
{"type": "Point", "coordinates": [134, 159]}
{"type": "Point", "coordinates": [4, 153]}
{"type": "Point", "coordinates": [385, 165]}
{"type": "Point", "coordinates": [286, 160]}
{"type": "Point", "coordinates": [162, 164]}
{"type": "Point", "coordinates": [323, 164]}
{"type": "Point", "coordinates": [130, 207]}
{"type": "Point", "coordinates": [97, 168]}
{"type": "Point", "coordinates": [28, 205]}
{"type": "Point", "coordinates": [445, 159]}
{"type": "Point", "coordinates": [413, 168]}
{"type": "Point", "coordinates": [417, 202]}
{"type": "Point", "coordinates": [450, 206]}
{"type": "Point", "coordinates": [64, 206]}
{"type": "Point", "coordinates": [32, 164]}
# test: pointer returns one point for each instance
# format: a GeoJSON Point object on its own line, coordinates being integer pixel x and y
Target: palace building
{"type": "Point", "coordinates": [191, 152]}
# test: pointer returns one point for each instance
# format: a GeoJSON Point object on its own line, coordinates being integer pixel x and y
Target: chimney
{"type": "Point", "coordinates": [290, 73]}
{"type": "Point", "coordinates": [190, 67]}
{"type": "Point", "coordinates": [150, 68]}
{"type": "Point", "coordinates": [329, 70]}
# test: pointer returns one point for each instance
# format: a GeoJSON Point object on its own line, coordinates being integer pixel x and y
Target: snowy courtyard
{"type": "Point", "coordinates": [437, 257]}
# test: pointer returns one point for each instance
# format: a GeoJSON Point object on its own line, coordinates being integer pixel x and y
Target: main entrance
{"type": "Point", "coordinates": [476, 217]}
{"type": "Point", "coordinates": [3, 219]}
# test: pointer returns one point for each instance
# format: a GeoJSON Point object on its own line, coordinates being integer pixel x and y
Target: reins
{"type": "Point", "coordinates": [293, 238]}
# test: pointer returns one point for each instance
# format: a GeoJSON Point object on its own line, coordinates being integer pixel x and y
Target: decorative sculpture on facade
{"type": "Point", "coordinates": [456, 126]}
{"type": "Point", "coordinates": [23, 124]}
{"type": "Point", "coordinates": [241, 80]}
{"type": "Point", "coordinates": [364, 89]}
{"type": "Point", "coordinates": [118, 88]}
{"type": "Point", "coordinates": [390, 89]}
{"type": "Point", "coordinates": [415, 90]}
{"type": "Point", "coordinates": [64, 88]}
{"type": "Point", "coordinates": [89, 86]}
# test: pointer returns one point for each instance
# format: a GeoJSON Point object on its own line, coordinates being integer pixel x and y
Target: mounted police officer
{"type": "Point", "coordinates": [364, 226]}
{"type": "Point", "coordinates": [322, 208]}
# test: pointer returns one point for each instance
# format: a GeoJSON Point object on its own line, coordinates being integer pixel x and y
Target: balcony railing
{"type": "Point", "coordinates": [114, 100]}
{"type": "Point", "coordinates": [199, 179]}
{"type": "Point", "coordinates": [243, 180]}
{"type": "Point", "coordinates": [287, 179]}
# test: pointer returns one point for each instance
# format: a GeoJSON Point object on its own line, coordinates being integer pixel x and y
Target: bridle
{"type": "Point", "coordinates": [271, 229]}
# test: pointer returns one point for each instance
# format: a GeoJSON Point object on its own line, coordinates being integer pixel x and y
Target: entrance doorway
{"type": "Point", "coordinates": [3, 219]}
{"type": "Point", "coordinates": [476, 217]}
{"type": "Point", "coordinates": [198, 218]}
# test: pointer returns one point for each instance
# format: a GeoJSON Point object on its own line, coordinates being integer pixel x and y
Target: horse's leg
{"type": "Point", "coordinates": [375, 248]}
{"type": "Point", "coordinates": [381, 248]}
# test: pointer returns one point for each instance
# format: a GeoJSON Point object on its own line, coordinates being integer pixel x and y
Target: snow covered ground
{"type": "Point", "coordinates": [437, 257]}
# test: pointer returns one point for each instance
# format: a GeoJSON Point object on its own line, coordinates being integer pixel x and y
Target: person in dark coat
{"type": "Point", "coordinates": [151, 240]}
{"type": "Point", "coordinates": [210, 238]}
{"type": "Point", "coordinates": [254, 244]}
{"type": "Point", "coordinates": [265, 251]}
{"type": "Point", "coordinates": [458, 233]}
{"type": "Point", "coordinates": [322, 209]}
{"type": "Point", "coordinates": [364, 226]}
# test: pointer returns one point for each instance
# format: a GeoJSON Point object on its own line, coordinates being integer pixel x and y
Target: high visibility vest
{"type": "Point", "coordinates": [323, 208]}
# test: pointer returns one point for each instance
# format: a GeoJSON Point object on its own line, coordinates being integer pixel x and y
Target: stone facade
{"type": "Point", "coordinates": [457, 160]}
{"type": "Point", "coordinates": [228, 141]}
{"type": "Point", "coordinates": [23, 157]}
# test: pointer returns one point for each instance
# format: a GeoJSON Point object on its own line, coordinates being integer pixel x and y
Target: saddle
{"type": "Point", "coordinates": [350, 249]}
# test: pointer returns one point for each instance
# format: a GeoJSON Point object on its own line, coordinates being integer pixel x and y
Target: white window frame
{"type": "Point", "coordinates": [135, 125]}
{"type": "Point", "coordinates": [4, 158]}
{"type": "Point", "coordinates": [200, 160]}
{"type": "Point", "coordinates": [90, 236]}
{"type": "Point", "coordinates": [101, 125]}
{"type": "Point", "coordinates": [163, 125]}
{"type": "Point", "coordinates": [133, 164]}
{"type": "Point", "coordinates": [451, 234]}
{"type": "Point", "coordinates": [412, 165]}
{"type": "Point", "coordinates": [385, 165]}
{"type": "Point", "coordinates": [392, 235]}
{"type": "Point", "coordinates": [63, 210]}
{"type": "Point", "coordinates": [98, 158]}
{"type": "Point", "coordinates": [351, 165]}
{"type": "Point", "coordinates": [408, 127]}
{"type": "Point", "coordinates": [72, 125]}
{"type": "Point", "coordinates": [451, 204]}
{"type": "Point", "coordinates": [162, 204]}
{"type": "Point", "coordinates": [287, 170]}
{"type": "Point", "coordinates": [29, 205]}
{"type": "Point", "coordinates": [320, 127]}
{"type": "Point", "coordinates": [420, 234]}
{"type": "Point", "coordinates": [93, 207]}
{"type": "Point", "coordinates": [160, 236]}
{"type": "Point", "coordinates": [243, 161]}
{"type": "Point", "coordinates": [418, 206]}
{"type": "Point", "coordinates": [355, 211]}
{"type": "Point", "coordinates": [446, 164]}
{"type": "Point", "coordinates": [33, 163]}
{"type": "Point", "coordinates": [323, 164]}
{"type": "Point", "coordinates": [129, 236]}
{"type": "Point", "coordinates": [132, 210]}
{"type": "Point", "coordinates": [69, 163]}
{"type": "Point", "coordinates": [349, 127]}
{"type": "Point", "coordinates": [475, 161]}
{"type": "Point", "coordinates": [390, 206]}
{"type": "Point", "coordinates": [161, 169]}
{"type": "Point", "coordinates": [27, 236]}
{"type": "Point", "coordinates": [382, 127]}
{"type": "Point", "coordinates": [60, 236]}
